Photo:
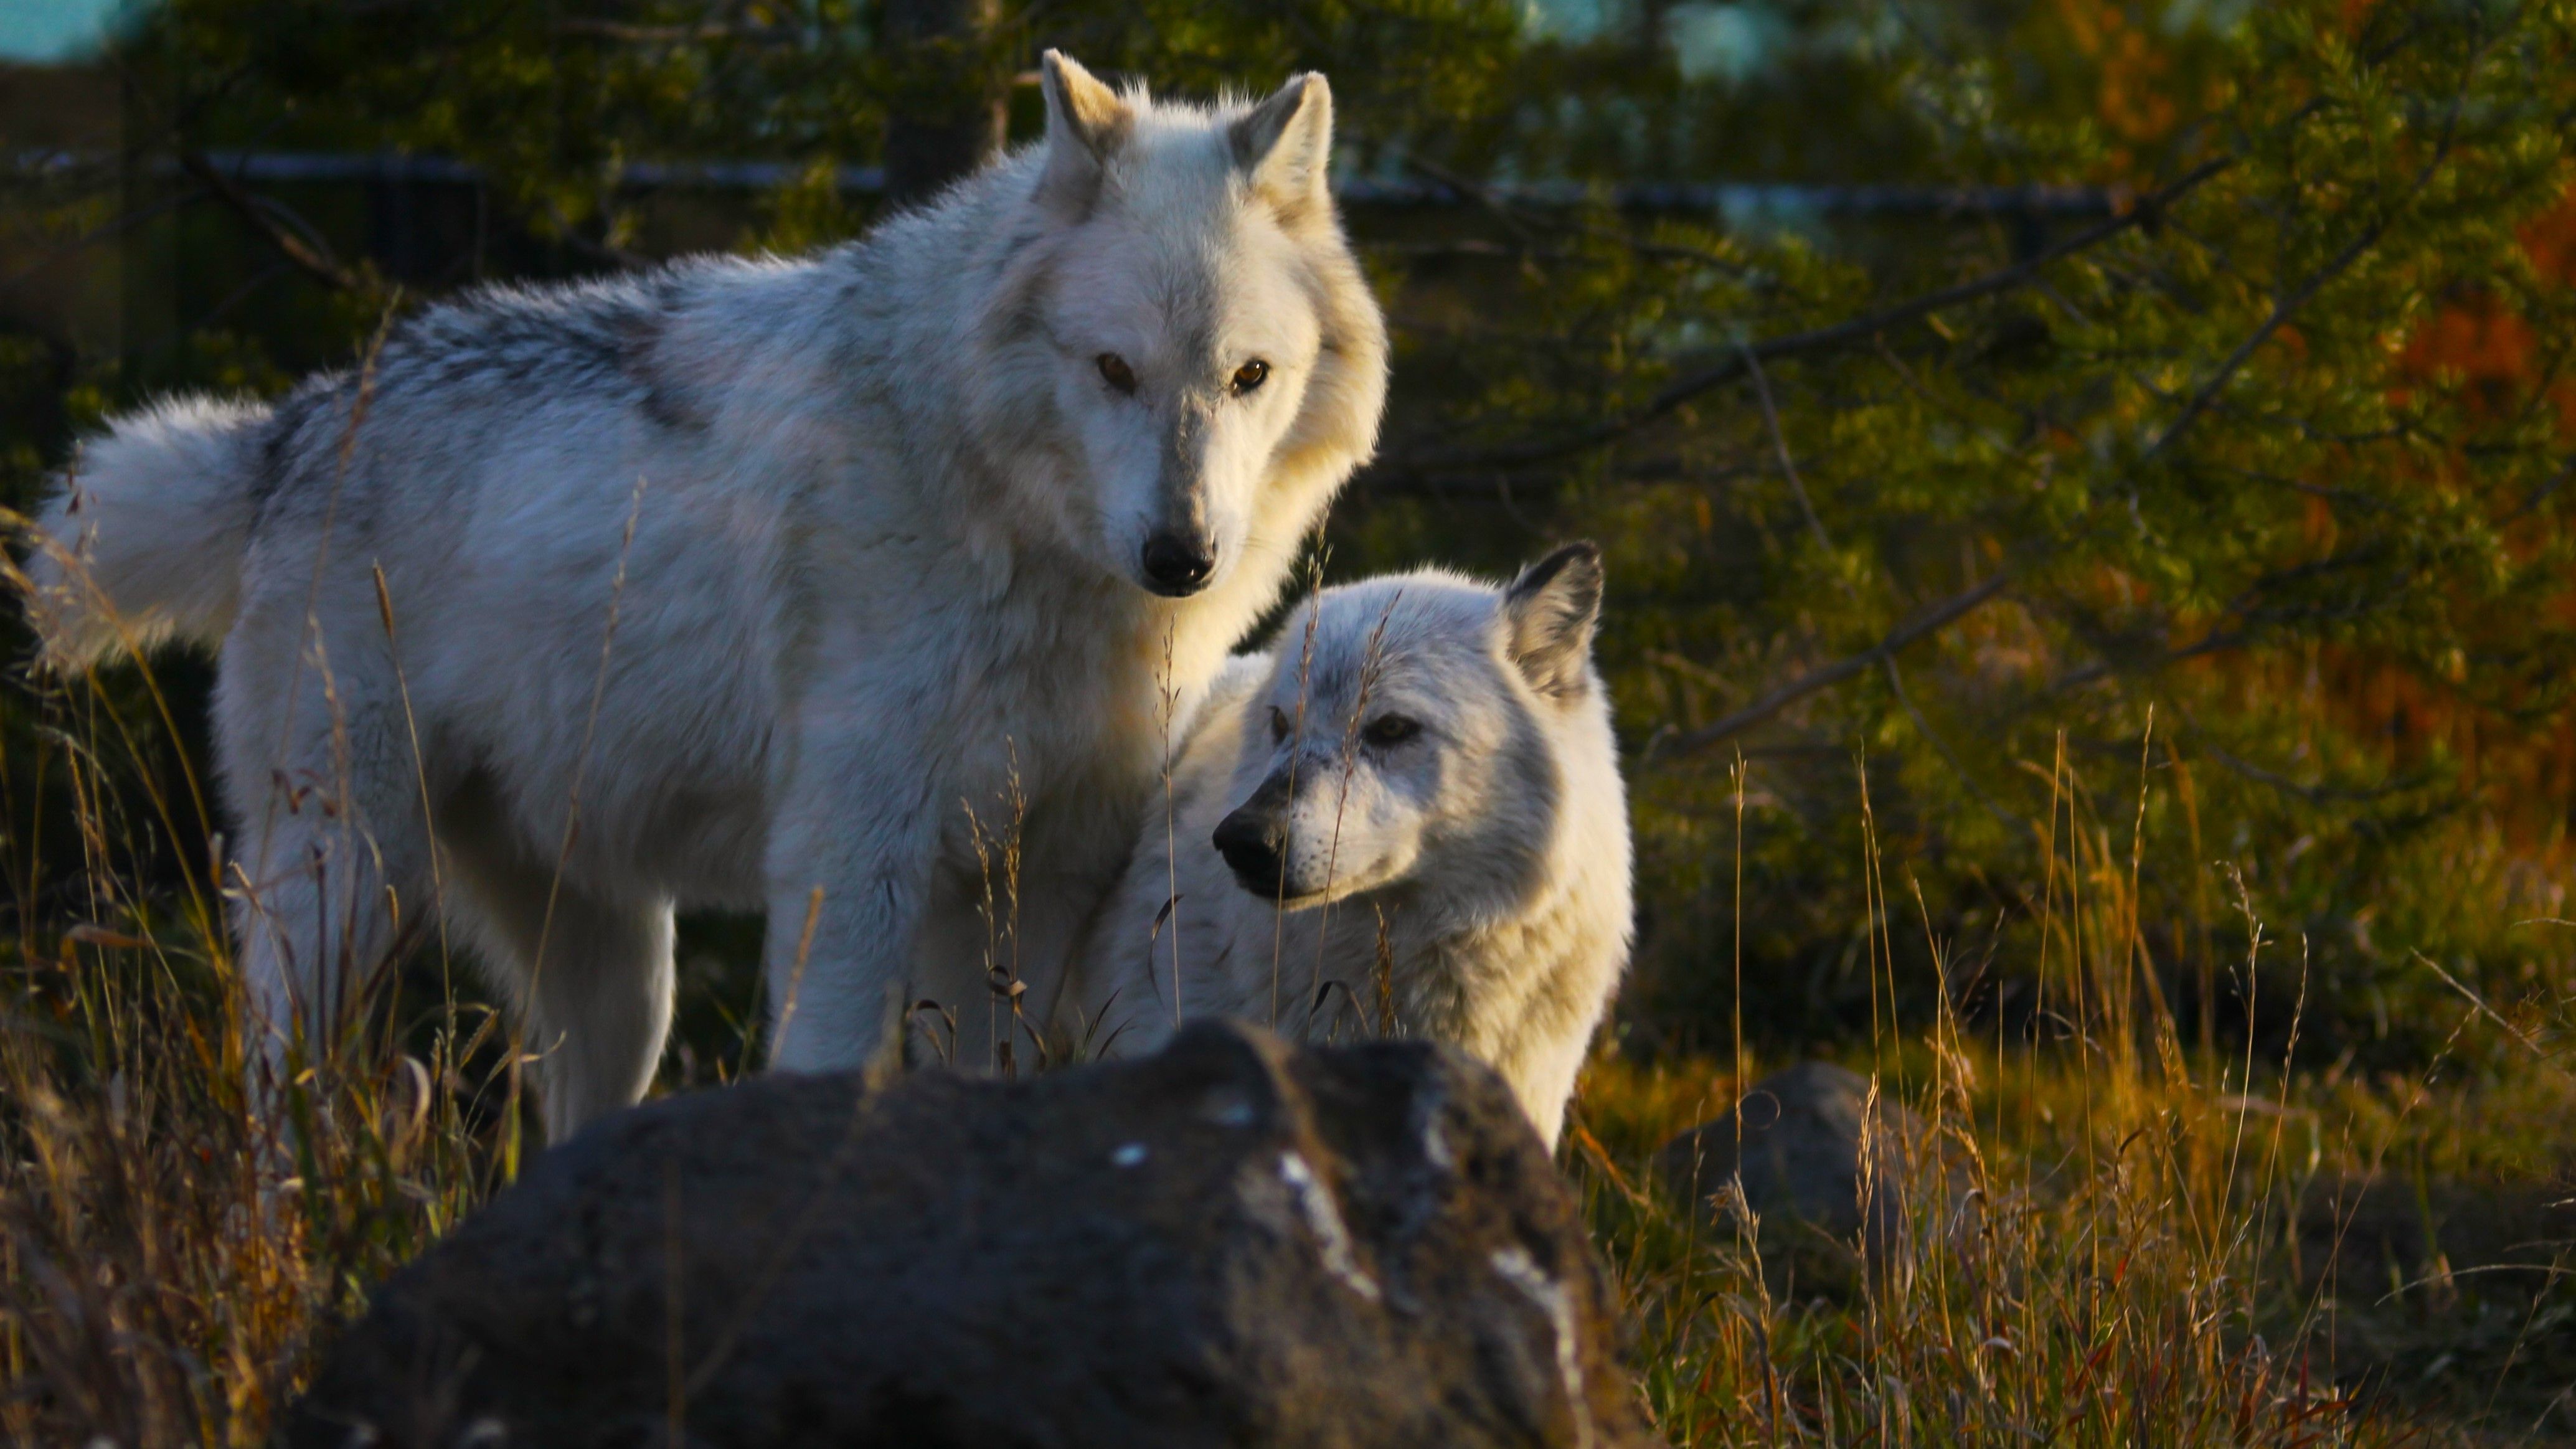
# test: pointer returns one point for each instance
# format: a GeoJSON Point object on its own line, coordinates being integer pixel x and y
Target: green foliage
{"type": "Point", "coordinates": [2233, 512]}
{"type": "Point", "coordinates": [2261, 528]}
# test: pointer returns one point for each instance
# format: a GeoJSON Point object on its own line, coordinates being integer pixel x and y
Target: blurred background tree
{"type": "Point", "coordinates": [2044, 447]}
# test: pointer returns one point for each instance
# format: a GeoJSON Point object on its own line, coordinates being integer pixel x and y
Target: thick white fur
{"type": "Point", "coordinates": [1479, 872]}
{"type": "Point", "coordinates": [885, 508]}
{"type": "Point", "coordinates": [170, 477]}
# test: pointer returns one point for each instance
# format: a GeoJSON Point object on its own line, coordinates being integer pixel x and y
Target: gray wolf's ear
{"type": "Point", "coordinates": [1548, 617]}
{"type": "Point", "coordinates": [1086, 123]}
{"type": "Point", "coordinates": [1284, 146]}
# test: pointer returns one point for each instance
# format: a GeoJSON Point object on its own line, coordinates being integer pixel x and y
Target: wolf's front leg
{"type": "Point", "coordinates": [851, 856]}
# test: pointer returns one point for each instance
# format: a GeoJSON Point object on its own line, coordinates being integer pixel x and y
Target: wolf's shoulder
{"type": "Point", "coordinates": [566, 332]}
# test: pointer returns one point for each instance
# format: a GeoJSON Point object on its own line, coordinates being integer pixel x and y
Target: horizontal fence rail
{"type": "Point", "coordinates": [1735, 200]}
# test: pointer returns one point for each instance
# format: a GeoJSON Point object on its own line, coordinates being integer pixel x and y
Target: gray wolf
{"type": "Point", "coordinates": [776, 583]}
{"type": "Point", "coordinates": [1405, 817]}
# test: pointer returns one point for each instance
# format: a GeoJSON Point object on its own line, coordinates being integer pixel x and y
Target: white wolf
{"type": "Point", "coordinates": [1410, 808]}
{"type": "Point", "coordinates": [743, 583]}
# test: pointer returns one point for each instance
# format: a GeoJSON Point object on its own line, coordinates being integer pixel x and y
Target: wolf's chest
{"type": "Point", "coordinates": [1041, 743]}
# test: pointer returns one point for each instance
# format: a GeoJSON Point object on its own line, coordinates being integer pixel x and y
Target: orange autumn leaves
{"type": "Point", "coordinates": [2516, 756]}
{"type": "Point", "coordinates": [2483, 356]}
{"type": "Point", "coordinates": [2133, 71]}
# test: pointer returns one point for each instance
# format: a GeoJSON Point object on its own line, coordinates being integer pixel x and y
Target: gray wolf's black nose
{"type": "Point", "coordinates": [1175, 566]}
{"type": "Point", "coordinates": [1252, 840]}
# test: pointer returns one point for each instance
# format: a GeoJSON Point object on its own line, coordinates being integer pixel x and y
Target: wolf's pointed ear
{"type": "Point", "coordinates": [1086, 122]}
{"type": "Point", "coordinates": [1548, 617]}
{"type": "Point", "coordinates": [1284, 146]}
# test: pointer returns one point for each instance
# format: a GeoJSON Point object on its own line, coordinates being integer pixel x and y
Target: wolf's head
{"type": "Point", "coordinates": [1420, 739]}
{"type": "Point", "coordinates": [1187, 334]}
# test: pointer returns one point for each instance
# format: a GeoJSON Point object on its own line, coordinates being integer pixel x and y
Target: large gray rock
{"type": "Point", "coordinates": [1228, 1243]}
{"type": "Point", "coordinates": [1807, 1133]}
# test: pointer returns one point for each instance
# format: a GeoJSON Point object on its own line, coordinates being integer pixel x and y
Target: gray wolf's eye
{"type": "Point", "coordinates": [1251, 375]}
{"type": "Point", "coordinates": [1278, 724]}
{"type": "Point", "coordinates": [1390, 729]}
{"type": "Point", "coordinates": [1115, 371]}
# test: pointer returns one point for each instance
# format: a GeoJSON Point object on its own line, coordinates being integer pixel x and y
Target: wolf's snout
{"type": "Point", "coordinates": [1254, 841]}
{"type": "Point", "coordinates": [1176, 567]}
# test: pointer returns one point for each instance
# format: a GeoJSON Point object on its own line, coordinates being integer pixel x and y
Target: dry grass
{"type": "Point", "coordinates": [2172, 1271]}
{"type": "Point", "coordinates": [2124, 1242]}
{"type": "Point", "coordinates": [2120, 1240]}
{"type": "Point", "coordinates": [167, 1256]}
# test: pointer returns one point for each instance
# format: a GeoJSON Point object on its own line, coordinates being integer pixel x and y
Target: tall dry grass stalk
{"type": "Point", "coordinates": [2089, 1243]}
{"type": "Point", "coordinates": [168, 1254]}
{"type": "Point", "coordinates": [180, 1215]}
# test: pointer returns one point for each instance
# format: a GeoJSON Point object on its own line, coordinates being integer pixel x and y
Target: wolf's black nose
{"type": "Point", "coordinates": [1175, 566]}
{"type": "Point", "coordinates": [1252, 840]}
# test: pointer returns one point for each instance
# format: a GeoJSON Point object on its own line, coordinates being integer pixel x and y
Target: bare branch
{"type": "Point", "coordinates": [1932, 621]}
{"type": "Point", "coordinates": [2282, 311]}
{"type": "Point", "coordinates": [2317, 794]}
{"type": "Point", "coordinates": [631, 34]}
{"type": "Point", "coordinates": [312, 258]}
{"type": "Point", "coordinates": [1847, 333]}
{"type": "Point", "coordinates": [2287, 307]}
{"type": "Point", "coordinates": [2101, 669]}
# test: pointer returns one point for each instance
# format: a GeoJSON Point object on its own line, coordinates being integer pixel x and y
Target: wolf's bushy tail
{"type": "Point", "coordinates": [143, 537]}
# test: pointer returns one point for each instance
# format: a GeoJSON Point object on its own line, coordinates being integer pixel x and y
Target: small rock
{"type": "Point", "coordinates": [1229, 1243]}
{"type": "Point", "coordinates": [1802, 1152]}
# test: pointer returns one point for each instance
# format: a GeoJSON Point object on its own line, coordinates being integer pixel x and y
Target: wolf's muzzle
{"type": "Point", "coordinates": [1254, 839]}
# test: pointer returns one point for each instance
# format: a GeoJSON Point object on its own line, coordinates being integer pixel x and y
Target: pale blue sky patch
{"type": "Point", "coordinates": [1574, 21]}
{"type": "Point", "coordinates": [43, 31]}
{"type": "Point", "coordinates": [1725, 42]}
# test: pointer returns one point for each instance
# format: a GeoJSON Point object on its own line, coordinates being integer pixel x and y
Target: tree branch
{"type": "Point", "coordinates": [310, 258]}
{"type": "Point", "coordinates": [2287, 307]}
{"type": "Point", "coordinates": [2282, 311]}
{"type": "Point", "coordinates": [1932, 621]}
{"type": "Point", "coordinates": [1822, 339]}
{"type": "Point", "coordinates": [630, 34]}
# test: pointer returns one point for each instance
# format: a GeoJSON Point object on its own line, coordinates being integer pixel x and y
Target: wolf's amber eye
{"type": "Point", "coordinates": [1278, 724]}
{"type": "Point", "coordinates": [1115, 371]}
{"type": "Point", "coordinates": [1251, 375]}
{"type": "Point", "coordinates": [1390, 729]}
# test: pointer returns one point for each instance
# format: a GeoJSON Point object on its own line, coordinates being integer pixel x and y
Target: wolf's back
{"type": "Point", "coordinates": [143, 537]}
